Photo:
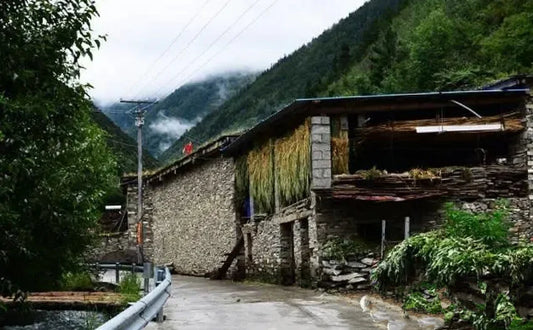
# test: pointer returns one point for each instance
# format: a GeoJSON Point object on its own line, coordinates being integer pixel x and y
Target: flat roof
{"type": "Point", "coordinates": [302, 108]}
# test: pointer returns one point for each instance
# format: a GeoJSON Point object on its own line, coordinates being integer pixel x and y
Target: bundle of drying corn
{"type": "Point", "coordinates": [339, 155]}
{"type": "Point", "coordinates": [293, 164]}
{"type": "Point", "coordinates": [241, 180]}
{"type": "Point", "coordinates": [260, 172]}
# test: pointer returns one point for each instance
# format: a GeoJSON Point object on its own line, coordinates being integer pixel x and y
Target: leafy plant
{"type": "Point", "coordinates": [469, 246]}
{"type": "Point", "coordinates": [78, 281]}
{"type": "Point", "coordinates": [489, 227]}
{"type": "Point", "coordinates": [129, 287]}
{"type": "Point", "coordinates": [371, 174]}
{"type": "Point", "coordinates": [416, 301]}
{"type": "Point", "coordinates": [55, 164]}
{"type": "Point", "coordinates": [420, 174]}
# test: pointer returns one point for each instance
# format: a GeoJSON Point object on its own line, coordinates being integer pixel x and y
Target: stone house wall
{"type": "Point", "coordinates": [262, 244]}
{"type": "Point", "coordinates": [281, 248]}
{"type": "Point", "coordinates": [147, 218]}
{"type": "Point", "coordinates": [194, 220]}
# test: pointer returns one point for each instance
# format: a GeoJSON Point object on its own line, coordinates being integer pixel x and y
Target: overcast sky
{"type": "Point", "coordinates": [153, 47]}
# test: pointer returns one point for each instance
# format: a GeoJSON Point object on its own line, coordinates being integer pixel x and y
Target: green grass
{"type": "Point", "coordinates": [81, 281]}
{"type": "Point", "coordinates": [129, 287]}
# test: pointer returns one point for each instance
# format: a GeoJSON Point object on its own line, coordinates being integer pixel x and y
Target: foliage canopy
{"type": "Point", "coordinates": [54, 163]}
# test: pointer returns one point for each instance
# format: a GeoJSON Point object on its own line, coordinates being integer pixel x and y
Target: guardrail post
{"type": "Point", "coordinates": [133, 268]}
{"type": "Point", "coordinates": [117, 273]}
{"type": "Point", "coordinates": [147, 274]}
{"type": "Point", "coordinates": [157, 280]}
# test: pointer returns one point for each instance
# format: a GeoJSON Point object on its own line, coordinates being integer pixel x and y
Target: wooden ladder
{"type": "Point", "coordinates": [221, 272]}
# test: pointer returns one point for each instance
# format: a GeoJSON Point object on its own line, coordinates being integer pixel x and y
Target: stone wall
{"type": "Point", "coordinates": [194, 220]}
{"type": "Point", "coordinates": [521, 224]}
{"type": "Point", "coordinates": [281, 248]}
{"type": "Point", "coordinates": [262, 243]}
{"type": "Point", "coordinates": [147, 219]}
{"type": "Point", "coordinates": [114, 247]}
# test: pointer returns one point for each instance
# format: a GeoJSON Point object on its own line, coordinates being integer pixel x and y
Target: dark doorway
{"type": "Point", "coordinates": [287, 254]}
{"type": "Point", "coordinates": [305, 254]}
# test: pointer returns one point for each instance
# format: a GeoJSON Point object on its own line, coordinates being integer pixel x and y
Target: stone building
{"type": "Point", "coordinates": [372, 168]}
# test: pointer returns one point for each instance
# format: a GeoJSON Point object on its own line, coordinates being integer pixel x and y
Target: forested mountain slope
{"type": "Point", "coordinates": [179, 111]}
{"type": "Point", "coordinates": [387, 46]}
{"type": "Point", "coordinates": [306, 72]}
{"type": "Point", "coordinates": [444, 45]}
{"type": "Point", "coordinates": [123, 146]}
{"type": "Point", "coordinates": [186, 106]}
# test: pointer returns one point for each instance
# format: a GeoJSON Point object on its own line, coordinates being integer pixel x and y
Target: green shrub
{"type": "Point", "coordinates": [468, 246]}
{"type": "Point", "coordinates": [81, 281]}
{"type": "Point", "coordinates": [490, 227]}
{"type": "Point", "coordinates": [129, 287]}
{"type": "Point", "coordinates": [502, 316]}
{"type": "Point", "coordinates": [416, 301]}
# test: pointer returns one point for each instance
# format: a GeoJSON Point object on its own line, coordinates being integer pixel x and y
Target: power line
{"type": "Point", "coordinates": [151, 66]}
{"type": "Point", "coordinates": [204, 52]}
{"type": "Point", "coordinates": [119, 142]}
{"type": "Point", "coordinates": [186, 47]}
{"type": "Point", "coordinates": [186, 79]}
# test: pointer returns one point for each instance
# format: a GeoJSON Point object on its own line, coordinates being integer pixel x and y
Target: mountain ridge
{"type": "Point", "coordinates": [387, 46]}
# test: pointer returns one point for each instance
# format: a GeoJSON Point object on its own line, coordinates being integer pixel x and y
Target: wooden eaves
{"type": "Point", "coordinates": [300, 109]}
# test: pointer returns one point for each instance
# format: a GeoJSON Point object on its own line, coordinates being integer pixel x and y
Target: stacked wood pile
{"type": "Point", "coordinates": [475, 182]}
{"type": "Point", "coordinates": [511, 123]}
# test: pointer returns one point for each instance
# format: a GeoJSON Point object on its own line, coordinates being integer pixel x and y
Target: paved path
{"type": "Point", "coordinates": [199, 303]}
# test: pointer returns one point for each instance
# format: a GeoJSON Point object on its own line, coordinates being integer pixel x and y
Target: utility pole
{"type": "Point", "coordinates": [139, 122]}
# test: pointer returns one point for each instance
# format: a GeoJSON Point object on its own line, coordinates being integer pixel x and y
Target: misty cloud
{"type": "Point", "coordinates": [170, 129]}
{"type": "Point", "coordinates": [139, 31]}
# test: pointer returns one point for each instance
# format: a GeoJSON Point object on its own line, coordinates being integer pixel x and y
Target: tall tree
{"type": "Point", "coordinates": [54, 164]}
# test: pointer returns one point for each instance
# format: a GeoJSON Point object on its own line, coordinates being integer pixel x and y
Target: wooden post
{"type": "Point", "coordinates": [383, 227]}
{"type": "Point", "coordinates": [406, 228]}
{"type": "Point", "coordinates": [117, 273]}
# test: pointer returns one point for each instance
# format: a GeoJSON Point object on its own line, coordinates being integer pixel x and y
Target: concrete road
{"type": "Point", "coordinates": [199, 303]}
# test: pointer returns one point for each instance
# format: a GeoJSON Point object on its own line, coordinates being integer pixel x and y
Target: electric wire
{"type": "Point", "coordinates": [202, 66]}
{"type": "Point", "coordinates": [187, 135]}
{"type": "Point", "coordinates": [177, 56]}
{"type": "Point", "coordinates": [152, 65]}
{"type": "Point", "coordinates": [204, 52]}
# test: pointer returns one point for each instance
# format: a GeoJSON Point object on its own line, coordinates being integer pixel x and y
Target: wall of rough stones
{"type": "Point", "coordinates": [194, 220]}
{"type": "Point", "coordinates": [113, 247]}
{"type": "Point", "coordinates": [265, 246]}
{"type": "Point", "coordinates": [147, 219]}
{"type": "Point", "coordinates": [268, 246]}
{"type": "Point", "coordinates": [122, 247]}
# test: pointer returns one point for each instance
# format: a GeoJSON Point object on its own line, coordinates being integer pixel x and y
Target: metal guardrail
{"type": "Point", "coordinates": [138, 315]}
